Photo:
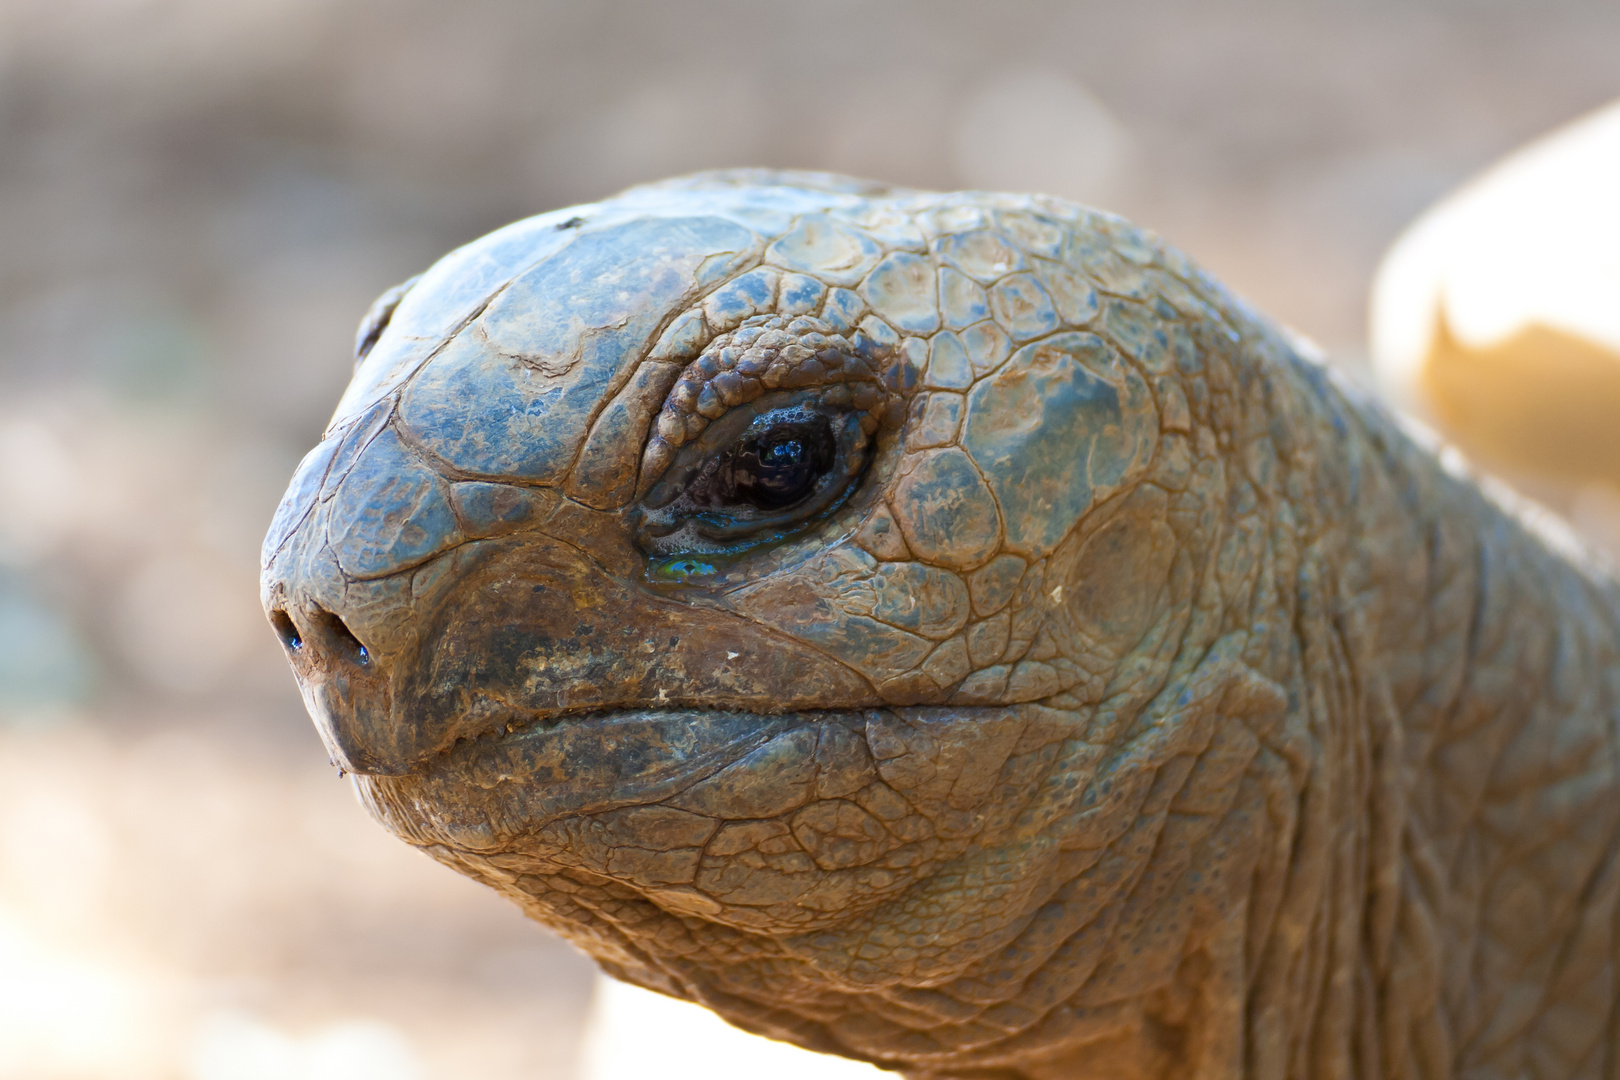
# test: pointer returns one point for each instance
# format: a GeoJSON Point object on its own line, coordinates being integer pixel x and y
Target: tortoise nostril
{"type": "Point", "coordinates": [344, 638]}
{"type": "Point", "coordinates": [286, 630]}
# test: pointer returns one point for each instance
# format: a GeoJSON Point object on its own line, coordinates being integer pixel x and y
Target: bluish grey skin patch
{"type": "Point", "coordinates": [445, 297]}
{"type": "Point", "coordinates": [893, 228]}
{"type": "Point", "coordinates": [1035, 233]}
{"type": "Point", "coordinates": [1141, 332]}
{"type": "Point", "coordinates": [319, 474]}
{"type": "Point", "coordinates": [390, 513]}
{"type": "Point", "coordinates": [1113, 273]}
{"type": "Point", "coordinates": [874, 336]}
{"type": "Point", "coordinates": [605, 472]}
{"type": "Point", "coordinates": [749, 294]}
{"type": "Point", "coordinates": [983, 254]}
{"type": "Point", "coordinates": [1185, 350]}
{"type": "Point", "coordinates": [948, 365]}
{"type": "Point", "coordinates": [987, 346]}
{"type": "Point", "coordinates": [353, 444]}
{"type": "Point", "coordinates": [449, 292]}
{"type": "Point", "coordinates": [1023, 308]}
{"type": "Point", "coordinates": [497, 509]}
{"type": "Point", "coordinates": [901, 290]}
{"type": "Point", "coordinates": [843, 309]}
{"type": "Point", "coordinates": [682, 340]}
{"type": "Point", "coordinates": [300, 498]}
{"type": "Point", "coordinates": [945, 511]}
{"type": "Point", "coordinates": [826, 247]}
{"type": "Point", "coordinates": [511, 395]}
{"type": "Point", "coordinates": [1074, 296]}
{"type": "Point", "coordinates": [935, 420]}
{"type": "Point", "coordinates": [800, 294]}
{"type": "Point", "coordinates": [1051, 435]}
{"type": "Point", "coordinates": [962, 300]}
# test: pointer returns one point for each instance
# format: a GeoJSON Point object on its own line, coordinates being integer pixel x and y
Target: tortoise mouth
{"type": "Point", "coordinates": [483, 792]}
{"type": "Point", "coordinates": [513, 638]}
{"type": "Point", "coordinates": [501, 732]}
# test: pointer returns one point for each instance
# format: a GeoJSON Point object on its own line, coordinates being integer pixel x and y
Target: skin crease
{"type": "Point", "coordinates": [1150, 705]}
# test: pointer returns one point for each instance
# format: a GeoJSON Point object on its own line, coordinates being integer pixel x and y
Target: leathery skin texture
{"type": "Point", "coordinates": [952, 631]}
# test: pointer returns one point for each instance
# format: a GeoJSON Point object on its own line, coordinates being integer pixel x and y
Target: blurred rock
{"type": "Point", "coordinates": [1496, 318]}
{"type": "Point", "coordinates": [1505, 286]}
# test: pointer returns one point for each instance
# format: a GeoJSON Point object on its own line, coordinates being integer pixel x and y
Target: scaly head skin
{"type": "Point", "coordinates": [946, 630]}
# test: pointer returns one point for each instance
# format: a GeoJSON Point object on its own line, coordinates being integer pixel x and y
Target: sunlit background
{"type": "Point", "coordinates": [198, 198]}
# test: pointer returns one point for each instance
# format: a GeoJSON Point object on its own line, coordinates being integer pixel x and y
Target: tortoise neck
{"type": "Point", "coordinates": [1507, 770]}
{"type": "Point", "coordinates": [1485, 669]}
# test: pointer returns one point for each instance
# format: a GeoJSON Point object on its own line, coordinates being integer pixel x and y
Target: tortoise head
{"type": "Point", "coordinates": [744, 553]}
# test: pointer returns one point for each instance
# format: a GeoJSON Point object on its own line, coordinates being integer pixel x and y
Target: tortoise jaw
{"type": "Point", "coordinates": [774, 824]}
{"type": "Point", "coordinates": [352, 706]}
{"type": "Point", "coordinates": [514, 778]}
{"type": "Point", "coordinates": [509, 633]}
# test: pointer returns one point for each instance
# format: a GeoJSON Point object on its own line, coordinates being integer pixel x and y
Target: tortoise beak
{"type": "Point", "coordinates": [361, 521]}
{"type": "Point", "coordinates": [348, 653]}
{"type": "Point", "coordinates": [501, 633]}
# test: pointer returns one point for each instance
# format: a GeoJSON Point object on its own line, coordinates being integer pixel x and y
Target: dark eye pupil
{"type": "Point", "coordinates": [779, 467]}
{"type": "Point", "coordinates": [782, 455]}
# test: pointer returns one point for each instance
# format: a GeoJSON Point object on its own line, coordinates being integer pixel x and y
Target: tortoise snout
{"type": "Point", "coordinates": [352, 643]}
{"type": "Point", "coordinates": [346, 685]}
{"type": "Point", "coordinates": [325, 639]}
{"type": "Point", "coordinates": [345, 565]}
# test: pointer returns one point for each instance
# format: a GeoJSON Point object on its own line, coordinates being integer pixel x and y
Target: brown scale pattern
{"type": "Point", "coordinates": [1283, 752]}
{"type": "Point", "coordinates": [768, 352]}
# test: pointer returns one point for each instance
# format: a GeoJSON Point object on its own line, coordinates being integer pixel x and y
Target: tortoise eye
{"type": "Point", "coordinates": [777, 467]}
{"type": "Point", "coordinates": [756, 475]}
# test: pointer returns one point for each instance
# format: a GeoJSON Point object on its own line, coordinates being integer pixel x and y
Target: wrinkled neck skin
{"type": "Point", "coordinates": [1461, 810]}
{"type": "Point", "coordinates": [1329, 792]}
{"type": "Point", "coordinates": [1440, 787]}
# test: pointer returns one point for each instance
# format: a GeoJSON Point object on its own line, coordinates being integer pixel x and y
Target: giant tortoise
{"type": "Point", "coordinates": [954, 632]}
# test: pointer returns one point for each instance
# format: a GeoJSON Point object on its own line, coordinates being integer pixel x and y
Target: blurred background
{"type": "Point", "coordinates": [198, 199]}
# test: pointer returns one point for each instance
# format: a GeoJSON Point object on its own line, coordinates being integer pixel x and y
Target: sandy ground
{"type": "Point", "coordinates": [197, 201]}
